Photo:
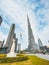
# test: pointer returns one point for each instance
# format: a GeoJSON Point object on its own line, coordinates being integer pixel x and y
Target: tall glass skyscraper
{"type": "Point", "coordinates": [31, 41]}
{"type": "Point", "coordinates": [9, 40]}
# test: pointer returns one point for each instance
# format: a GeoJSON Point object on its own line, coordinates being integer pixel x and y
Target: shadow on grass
{"type": "Point", "coordinates": [15, 59]}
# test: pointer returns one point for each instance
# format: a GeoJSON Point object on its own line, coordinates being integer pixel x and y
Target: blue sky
{"type": "Point", "coordinates": [15, 11]}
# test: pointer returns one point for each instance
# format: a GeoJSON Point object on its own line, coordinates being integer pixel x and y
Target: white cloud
{"type": "Point", "coordinates": [2, 36]}
{"type": "Point", "coordinates": [4, 25]}
{"type": "Point", "coordinates": [16, 12]}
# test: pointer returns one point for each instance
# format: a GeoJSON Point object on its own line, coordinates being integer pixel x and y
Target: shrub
{"type": "Point", "coordinates": [3, 55]}
{"type": "Point", "coordinates": [13, 59]}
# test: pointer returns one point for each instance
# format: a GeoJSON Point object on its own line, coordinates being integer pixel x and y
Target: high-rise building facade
{"type": "Point", "coordinates": [31, 41]}
{"type": "Point", "coordinates": [10, 38]}
{"type": "Point", "coordinates": [40, 43]}
{"type": "Point", "coordinates": [19, 47]}
{"type": "Point", "coordinates": [16, 43]}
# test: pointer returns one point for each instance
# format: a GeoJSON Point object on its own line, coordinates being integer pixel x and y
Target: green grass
{"type": "Point", "coordinates": [3, 55]}
{"type": "Point", "coordinates": [31, 60]}
{"type": "Point", "coordinates": [38, 61]}
{"type": "Point", "coordinates": [13, 59]}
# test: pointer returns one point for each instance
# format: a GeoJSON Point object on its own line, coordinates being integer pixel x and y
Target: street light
{"type": "Point", "coordinates": [0, 20]}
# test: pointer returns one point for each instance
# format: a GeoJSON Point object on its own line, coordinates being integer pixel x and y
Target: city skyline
{"type": "Point", "coordinates": [15, 11]}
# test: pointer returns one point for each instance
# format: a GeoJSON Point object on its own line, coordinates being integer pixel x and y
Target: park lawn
{"type": "Point", "coordinates": [26, 62]}
{"type": "Point", "coordinates": [38, 61]}
{"type": "Point", "coordinates": [33, 60]}
{"type": "Point", "coordinates": [3, 55]}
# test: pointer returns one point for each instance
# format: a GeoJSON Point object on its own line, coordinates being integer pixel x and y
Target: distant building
{"type": "Point", "coordinates": [45, 48]}
{"type": "Point", "coordinates": [16, 44]}
{"type": "Point", "coordinates": [1, 43]}
{"type": "Point", "coordinates": [3, 50]}
{"type": "Point", "coordinates": [16, 41]}
{"type": "Point", "coordinates": [9, 41]}
{"type": "Point", "coordinates": [32, 46]}
{"type": "Point", "coordinates": [19, 47]}
{"type": "Point", "coordinates": [40, 43]}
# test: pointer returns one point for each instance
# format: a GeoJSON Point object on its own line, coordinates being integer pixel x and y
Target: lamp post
{"type": "Point", "coordinates": [0, 20]}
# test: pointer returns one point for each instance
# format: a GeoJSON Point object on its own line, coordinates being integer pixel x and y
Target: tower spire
{"type": "Point", "coordinates": [31, 41]}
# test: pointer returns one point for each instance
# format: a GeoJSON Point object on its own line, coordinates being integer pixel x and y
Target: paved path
{"type": "Point", "coordinates": [46, 57]}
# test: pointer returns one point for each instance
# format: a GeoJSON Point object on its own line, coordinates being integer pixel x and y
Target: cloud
{"type": "Point", "coordinates": [15, 11]}
{"type": "Point", "coordinates": [2, 36]}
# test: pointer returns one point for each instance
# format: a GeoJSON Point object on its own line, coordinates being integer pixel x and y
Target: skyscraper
{"type": "Point", "coordinates": [13, 49]}
{"type": "Point", "coordinates": [10, 38]}
{"type": "Point", "coordinates": [19, 47]}
{"type": "Point", "coordinates": [31, 41]}
{"type": "Point", "coordinates": [16, 43]}
{"type": "Point", "coordinates": [40, 43]}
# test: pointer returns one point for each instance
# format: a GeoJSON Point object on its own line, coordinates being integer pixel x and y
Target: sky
{"type": "Point", "coordinates": [15, 11]}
